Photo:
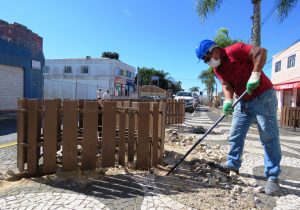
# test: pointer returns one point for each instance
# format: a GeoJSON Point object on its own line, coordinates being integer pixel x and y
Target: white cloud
{"type": "Point", "coordinates": [126, 11]}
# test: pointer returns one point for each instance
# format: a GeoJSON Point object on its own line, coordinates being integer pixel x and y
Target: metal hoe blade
{"type": "Point", "coordinates": [203, 137]}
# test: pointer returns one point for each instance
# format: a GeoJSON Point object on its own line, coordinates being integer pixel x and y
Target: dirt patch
{"type": "Point", "coordinates": [196, 182]}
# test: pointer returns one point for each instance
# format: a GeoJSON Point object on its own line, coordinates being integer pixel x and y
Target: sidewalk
{"type": "Point", "coordinates": [143, 190]}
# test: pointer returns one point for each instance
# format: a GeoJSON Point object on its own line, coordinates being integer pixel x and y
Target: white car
{"type": "Point", "coordinates": [188, 99]}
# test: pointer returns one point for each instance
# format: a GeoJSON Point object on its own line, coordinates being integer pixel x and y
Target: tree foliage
{"type": "Point", "coordinates": [205, 8]}
{"type": "Point", "coordinates": [111, 55]}
{"type": "Point", "coordinates": [207, 77]}
{"type": "Point", "coordinates": [144, 78]}
{"type": "Point", "coordinates": [194, 89]}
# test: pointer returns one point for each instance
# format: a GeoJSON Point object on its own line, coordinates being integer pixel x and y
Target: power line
{"type": "Point", "coordinates": [277, 56]}
{"type": "Point", "coordinates": [271, 11]}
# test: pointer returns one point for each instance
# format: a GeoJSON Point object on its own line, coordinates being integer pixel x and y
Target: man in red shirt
{"type": "Point", "coordinates": [239, 68]}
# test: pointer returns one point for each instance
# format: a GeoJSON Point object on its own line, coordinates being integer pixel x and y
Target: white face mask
{"type": "Point", "coordinates": [214, 63]}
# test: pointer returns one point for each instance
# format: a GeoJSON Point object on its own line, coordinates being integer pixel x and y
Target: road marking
{"type": "Point", "coordinates": [8, 144]}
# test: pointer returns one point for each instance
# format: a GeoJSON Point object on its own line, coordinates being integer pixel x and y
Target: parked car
{"type": "Point", "coordinates": [188, 99]}
{"type": "Point", "coordinates": [196, 100]}
{"type": "Point", "coordinates": [150, 97]}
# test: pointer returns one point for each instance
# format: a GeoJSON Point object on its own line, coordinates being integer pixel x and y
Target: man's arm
{"type": "Point", "coordinates": [228, 93]}
{"type": "Point", "coordinates": [259, 56]}
{"type": "Point", "coordinates": [227, 90]}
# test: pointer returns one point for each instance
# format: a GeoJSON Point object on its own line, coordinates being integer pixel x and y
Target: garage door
{"type": "Point", "coordinates": [11, 86]}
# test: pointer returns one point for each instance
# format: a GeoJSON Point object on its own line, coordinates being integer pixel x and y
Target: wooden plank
{"type": "Point", "coordinates": [122, 129]}
{"type": "Point", "coordinates": [168, 111]}
{"type": "Point", "coordinates": [119, 106]}
{"type": "Point", "coordinates": [90, 133]}
{"type": "Point", "coordinates": [284, 115]}
{"type": "Point", "coordinates": [143, 144]}
{"type": "Point", "coordinates": [59, 116]}
{"type": "Point", "coordinates": [162, 108]}
{"type": "Point", "coordinates": [50, 136]}
{"type": "Point", "coordinates": [32, 135]}
{"type": "Point", "coordinates": [81, 105]}
{"type": "Point", "coordinates": [21, 133]}
{"type": "Point", "coordinates": [127, 104]}
{"type": "Point", "coordinates": [173, 111]}
{"type": "Point", "coordinates": [109, 133]}
{"type": "Point", "coordinates": [70, 128]}
{"type": "Point", "coordinates": [155, 125]}
{"type": "Point", "coordinates": [131, 131]}
{"type": "Point", "coordinates": [151, 133]}
{"type": "Point", "coordinates": [182, 111]}
{"type": "Point", "coordinates": [177, 110]}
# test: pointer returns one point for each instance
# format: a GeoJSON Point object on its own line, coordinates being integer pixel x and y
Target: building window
{"type": "Point", "coordinates": [84, 69]}
{"type": "Point", "coordinates": [277, 66]}
{"type": "Point", "coordinates": [117, 72]}
{"type": "Point", "coordinates": [46, 70]}
{"type": "Point", "coordinates": [124, 73]}
{"type": "Point", "coordinates": [68, 69]}
{"type": "Point", "coordinates": [129, 74]}
{"type": "Point", "coordinates": [291, 61]}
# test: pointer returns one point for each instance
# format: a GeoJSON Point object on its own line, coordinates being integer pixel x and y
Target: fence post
{"type": "Point", "coordinates": [182, 111]}
{"type": "Point", "coordinates": [22, 133]}
{"type": "Point", "coordinates": [90, 132]}
{"type": "Point", "coordinates": [143, 144]}
{"type": "Point", "coordinates": [70, 131]}
{"type": "Point", "coordinates": [109, 133]}
{"type": "Point", "coordinates": [50, 136]}
{"type": "Point", "coordinates": [162, 109]}
{"type": "Point", "coordinates": [32, 151]}
{"type": "Point", "coordinates": [122, 129]}
{"type": "Point", "coordinates": [132, 121]}
{"type": "Point", "coordinates": [155, 125]}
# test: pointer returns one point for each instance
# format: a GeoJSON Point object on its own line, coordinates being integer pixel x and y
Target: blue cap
{"type": "Point", "coordinates": [203, 47]}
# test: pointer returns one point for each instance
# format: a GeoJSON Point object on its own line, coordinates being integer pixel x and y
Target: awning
{"type": "Point", "coordinates": [287, 86]}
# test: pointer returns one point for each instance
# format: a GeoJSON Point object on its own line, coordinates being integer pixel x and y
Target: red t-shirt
{"type": "Point", "coordinates": [236, 68]}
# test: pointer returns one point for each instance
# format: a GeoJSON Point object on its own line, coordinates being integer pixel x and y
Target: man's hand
{"type": "Point", "coordinates": [227, 107]}
{"type": "Point", "coordinates": [253, 82]}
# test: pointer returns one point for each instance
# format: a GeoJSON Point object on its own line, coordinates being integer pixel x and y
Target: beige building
{"type": "Point", "coordinates": [286, 75]}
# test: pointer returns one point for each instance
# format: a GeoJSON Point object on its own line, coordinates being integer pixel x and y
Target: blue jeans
{"type": "Point", "coordinates": [263, 109]}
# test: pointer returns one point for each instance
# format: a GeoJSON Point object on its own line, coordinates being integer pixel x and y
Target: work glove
{"type": "Point", "coordinates": [227, 107]}
{"type": "Point", "coordinates": [253, 82]}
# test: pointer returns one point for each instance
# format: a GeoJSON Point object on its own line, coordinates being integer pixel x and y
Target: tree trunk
{"type": "Point", "coordinates": [256, 25]}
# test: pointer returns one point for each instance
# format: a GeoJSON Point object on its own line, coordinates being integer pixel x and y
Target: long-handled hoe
{"type": "Point", "coordinates": [203, 137]}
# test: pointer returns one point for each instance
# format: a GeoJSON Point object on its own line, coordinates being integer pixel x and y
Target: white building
{"type": "Point", "coordinates": [286, 75]}
{"type": "Point", "coordinates": [80, 78]}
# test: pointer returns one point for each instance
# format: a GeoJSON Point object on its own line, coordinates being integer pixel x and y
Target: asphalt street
{"type": "Point", "coordinates": [8, 127]}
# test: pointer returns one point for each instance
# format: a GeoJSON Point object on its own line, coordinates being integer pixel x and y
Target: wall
{"type": "Point", "coordinates": [77, 85]}
{"type": "Point", "coordinates": [286, 75]}
{"type": "Point", "coordinates": [19, 46]}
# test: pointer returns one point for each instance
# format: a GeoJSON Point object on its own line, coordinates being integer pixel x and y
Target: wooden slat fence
{"type": "Point", "coordinates": [74, 134]}
{"type": "Point", "coordinates": [175, 111]}
{"type": "Point", "coordinates": [290, 117]}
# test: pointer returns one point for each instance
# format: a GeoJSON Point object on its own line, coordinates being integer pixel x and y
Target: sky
{"type": "Point", "coordinates": [159, 34]}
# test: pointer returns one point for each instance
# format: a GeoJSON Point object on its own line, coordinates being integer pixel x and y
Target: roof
{"type": "Point", "coordinates": [151, 88]}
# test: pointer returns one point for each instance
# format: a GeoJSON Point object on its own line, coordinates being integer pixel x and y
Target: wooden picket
{"type": "Point", "coordinates": [109, 133]}
{"type": "Point", "coordinates": [290, 117]}
{"type": "Point", "coordinates": [89, 141]}
{"type": "Point", "coordinates": [50, 135]}
{"type": "Point", "coordinates": [70, 130]}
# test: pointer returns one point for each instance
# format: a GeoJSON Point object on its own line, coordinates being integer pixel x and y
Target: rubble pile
{"type": "Point", "coordinates": [200, 183]}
